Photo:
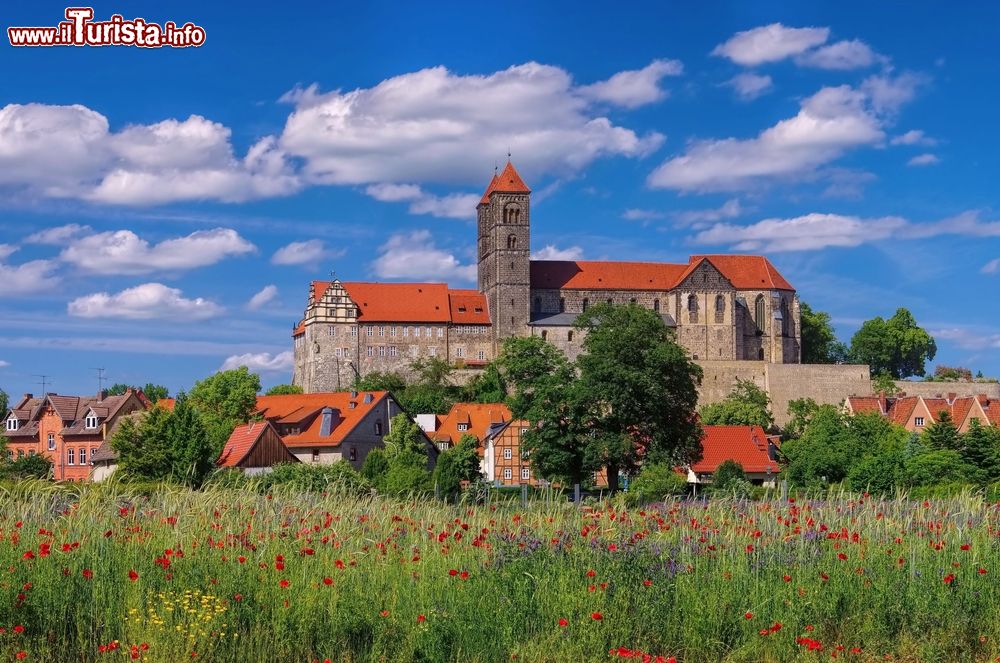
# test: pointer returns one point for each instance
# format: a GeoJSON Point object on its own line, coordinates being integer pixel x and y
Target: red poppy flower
{"type": "Point", "coordinates": [132, 575]}
{"type": "Point", "coordinates": [18, 629]}
{"type": "Point", "coordinates": [982, 571]}
{"type": "Point", "coordinates": [950, 578]}
{"type": "Point", "coordinates": [786, 578]}
{"type": "Point", "coordinates": [563, 623]}
{"type": "Point", "coordinates": [88, 574]}
{"type": "Point", "coordinates": [421, 619]}
{"type": "Point", "coordinates": [464, 575]}
{"type": "Point", "coordinates": [591, 573]}
{"type": "Point", "coordinates": [647, 583]}
{"type": "Point", "coordinates": [596, 616]}
{"type": "Point", "coordinates": [453, 572]}
{"type": "Point", "coordinates": [841, 556]}
{"type": "Point", "coordinates": [748, 615]}
{"type": "Point", "coordinates": [237, 597]}
{"type": "Point", "coordinates": [384, 613]}
{"type": "Point", "coordinates": [327, 581]}
{"type": "Point", "coordinates": [21, 655]}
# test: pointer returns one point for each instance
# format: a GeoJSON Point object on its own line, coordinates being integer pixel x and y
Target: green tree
{"type": "Point", "coordinates": [432, 371]}
{"type": "Point", "coordinates": [543, 389]}
{"type": "Point", "coordinates": [143, 445]}
{"type": "Point", "coordinates": [655, 482]}
{"type": "Point", "coordinates": [487, 387]}
{"type": "Point", "coordinates": [896, 346]}
{"type": "Point", "coordinates": [981, 452]}
{"type": "Point", "coordinates": [4, 402]}
{"type": "Point", "coordinates": [640, 390]}
{"type": "Point", "coordinates": [375, 468]}
{"type": "Point", "coordinates": [378, 381]}
{"type": "Point", "coordinates": [819, 341]}
{"type": "Point", "coordinates": [404, 436]}
{"type": "Point", "coordinates": [458, 464]}
{"type": "Point", "coordinates": [800, 414]}
{"type": "Point", "coordinates": [191, 455]}
{"type": "Point", "coordinates": [32, 466]}
{"type": "Point", "coordinates": [153, 392]}
{"type": "Point", "coordinates": [284, 390]}
{"type": "Point", "coordinates": [224, 401]}
{"type": "Point", "coordinates": [878, 474]}
{"type": "Point", "coordinates": [935, 467]}
{"type": "Point", "coordinates": [944, 373]}
{"type": "Point", "coordinates": [746, 405]}
{"type": "Point", "coordinates": [726, 473]}
{"type": "Point", "coordinates": [942, 433]}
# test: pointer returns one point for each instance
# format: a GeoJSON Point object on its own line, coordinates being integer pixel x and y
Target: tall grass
{"type": "Point", "coordinates": [167, 574]}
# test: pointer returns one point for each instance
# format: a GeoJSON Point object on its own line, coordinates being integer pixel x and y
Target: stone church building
{"type": "Point", "coordinates": [722, 307]}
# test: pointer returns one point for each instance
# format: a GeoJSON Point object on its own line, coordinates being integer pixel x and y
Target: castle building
{"type": "Point", "coordinates": [722, 307]}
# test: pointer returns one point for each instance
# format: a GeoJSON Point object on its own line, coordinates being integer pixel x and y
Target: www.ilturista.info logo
{"type": "Point", "coordinates": [79, 29]}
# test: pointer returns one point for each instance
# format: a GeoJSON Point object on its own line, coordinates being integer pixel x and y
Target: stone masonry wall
{"type": "Point", "coordinates": [942, 389]}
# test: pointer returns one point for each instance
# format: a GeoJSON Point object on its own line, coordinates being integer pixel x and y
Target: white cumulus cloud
{"type": "Point", "coordinates": [451, 206]}
{"type": "Point", "coordinates": [913, 137]}
{"type": "Point", "coordinates": [550, 252]}
{"type": "Point", "coordinates": [843, 55]}
{"type": "Point", "coordinates": [415, 256]}
{"type": "Point", "coordinates": [749, 86]}
{"type": "Point", "coordinates": [442, 127]}
{"type": "Point", "coordinates": [58, 235]}
{"type": "Point", "coordinates": [631, 89]}
{"type": "Point", "coordinates": [926, 159]}
{"type": "Point", "coordinates": [260, 362]}
{"type": "Point", "coordinates": [770, 43]}
{"type": "Point", "coordinates": [26, 278]}
{"type": "Point", "coordinates": [992, 267]}
{"type": "Point", "coordinates": [124, 252]}
{"type": "Point", "coordinates": [266, 295]}
{"type": "Point", "coordinates": [144, 302]}
{"type": "Point", "coordinates": [309, 252]}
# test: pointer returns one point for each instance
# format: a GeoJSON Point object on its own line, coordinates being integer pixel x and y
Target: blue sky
{"type": "Point", "coordinates": [163, 211]}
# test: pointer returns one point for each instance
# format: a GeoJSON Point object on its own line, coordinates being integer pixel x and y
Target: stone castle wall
{"type": "Point", "coordinates": [826, 384]}
{"type": "Point", "coordinates": [942, 389]}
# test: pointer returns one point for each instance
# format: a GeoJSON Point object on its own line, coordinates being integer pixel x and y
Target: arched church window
{"type": "Point", "coordinates": [545, 335]}
{"type": "Point", "coordinates": [720, 308]}
{"type": "Point", "coordinates": [511, 242]}
{"type": "Point", "coordinates": [786, 319]}
{"type": "Point", "coordinates": [758, 316]}
{"type": "Point", "coordinates": [692, 308]}
{"type": "Point", "coordinates": [656, 305]}
{"type": "Point", "coordinates": [512, 215]}
{"type": "Point", "coordinates": [569, 336]}
{"type": "Point", "coordinates": [585, 302]}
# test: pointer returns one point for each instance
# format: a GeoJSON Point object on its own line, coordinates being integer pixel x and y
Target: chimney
{"type": "Point", "coordinates": [28, 396]}
{"type": "Point", "coordinates": [102, 394]}
{"type": "Point", "coordinates": [951, 398]}
{"type": "Point", "coordinates": [326, 424]}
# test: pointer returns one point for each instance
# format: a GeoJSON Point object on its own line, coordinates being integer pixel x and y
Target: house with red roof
{"type": "Point", "coordinates": [68, 430]}
{"type": "Point", "coordinates": [254, 448]}
{"type": "Point", "coordinates": [915, 413]}
{"type": "Point", "coordinates": [750, 446]}
{"type": "Point", "coordinates": [722, 307]}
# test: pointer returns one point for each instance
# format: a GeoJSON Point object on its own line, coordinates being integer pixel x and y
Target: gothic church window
{"type": "Point", "coordinates": [720, 308]}
{"type": "Point", "coordinates": [511, 242]}
{"type": "Point", "coordinates": [786, 319]}
{"type": "Point", "coordinates": [758, 316]}
{"type": "Point", "coordinates": [656, 305]}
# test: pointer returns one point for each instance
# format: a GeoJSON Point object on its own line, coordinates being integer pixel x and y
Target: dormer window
{"type": "Point", "coordinates": [91, 421]}
{"type": "Point", "coordinates": [463, 427]}
{"type": "Point", "coordinates": [12, 423]}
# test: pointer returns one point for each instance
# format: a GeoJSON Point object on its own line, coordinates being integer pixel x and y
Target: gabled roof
{"type": "Point", "coordinates": [602, 275]}
{"type": "Point", "coordinates": [468, 307]}
{"type": "Point", "coordinates": [744, 272]}
{"type": "Point", "coordinates": [860, 404]}
{"type": "Point", "coordinates": [477, 417]}
{"type": "Point", "coordinates": [345, 418]}
{"type": "Point", "coordinates": [747, 445]}
{"type": "Point", "coordinates": [243, 440]}
{"type": "Point", "coordinates": [509, 181]}
{"type": "Point", "coordinates": [748, 272]}
{"type": "Point", "coordinates": [902, 408]}
{"type": "Point", "coordinates": [72, 410]}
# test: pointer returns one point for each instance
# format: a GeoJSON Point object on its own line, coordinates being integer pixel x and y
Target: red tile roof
{"type": "Point", "coordinates": [477, 417]}
{"type": "Point", "coordinates": [960, 409]}
{"type": "Point", "coordinates": [936, 406]}
{"type": "Point", "coordinates": [902, 408]}
{"type": "Point", "coordinates": [861, 404]}
{"type": "Point", "coordinates": [744, 272]}
{"type": "Point", "coordinates": [468, 307]}
{"type": "Point", "coordinates": [748, 272]}
{"type": "Point", "coordinates": [747, 445]}
{"type": "Point", "coordinates": [593, 275]}
{"type": "Point", "coordinates": [297, 408]}
{"type": "Point", "coordinates": [490, 189]}
{"type": "Point", "coordinates": [509, 181]}
{"type": "Point", "coordinates": [993, 412]}
{"type": "Point", "coordinates": [242, 441]}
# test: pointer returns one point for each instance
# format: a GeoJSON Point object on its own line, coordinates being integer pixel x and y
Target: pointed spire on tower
{"type": "Point", "coordinates": [510, 181]}
{"type": "Point", "coordinates": [490, 189]}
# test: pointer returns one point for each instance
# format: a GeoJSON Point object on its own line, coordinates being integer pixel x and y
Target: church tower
{"type": "Point", "coordinates": [504, 215]}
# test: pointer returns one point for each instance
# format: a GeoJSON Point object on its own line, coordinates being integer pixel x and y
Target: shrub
{"type": "Point", "coordinates": [336, 477]}
{"type": "Point", "coordinates": [726, 473]}
{"type": "Point", "coordinates": [656, 482]}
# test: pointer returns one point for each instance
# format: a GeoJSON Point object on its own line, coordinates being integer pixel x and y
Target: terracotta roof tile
{"type": "Point", "coordinates": [346, 418]}
{"type": "Point", "coordinates": [861, 404]}
{"type": "Point", "coordinates": [509, 181]}
{"type": "Point", "coordinates": [601, 275]}
{"type": "Point", "coordinates": [748, 272]}
{"type": "Point", "coordinates": [747, 445]}
{"type": "Point", "coordinates": [901, 409]}
{"type": "Point", "coordinates": [468, 307]}
{"type": "Point", "coordinates": [242, 441]}
{"type": "Point", "coordinates": [476, 417]}
{"type": "Point", "coordinates": [960, 409]}
{"type": "Point", "coordinates": [485, 200]}
{"type": "Point", "coordinates": [936, 406]}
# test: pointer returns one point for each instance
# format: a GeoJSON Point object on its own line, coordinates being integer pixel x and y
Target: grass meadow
{"type": "Point", "coordinates": [107, 573]}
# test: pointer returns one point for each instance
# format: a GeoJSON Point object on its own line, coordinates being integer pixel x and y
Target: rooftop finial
{"type": "Point", "coordinates": [508, 154]}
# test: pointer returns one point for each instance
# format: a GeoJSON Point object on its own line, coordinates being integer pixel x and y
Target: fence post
{"type": "Point", "coordinates": [576, 494]}
{"type": "Point", "coordinates": [784, 489]}
{"type": "Point", "coordinates": [524, 495]}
